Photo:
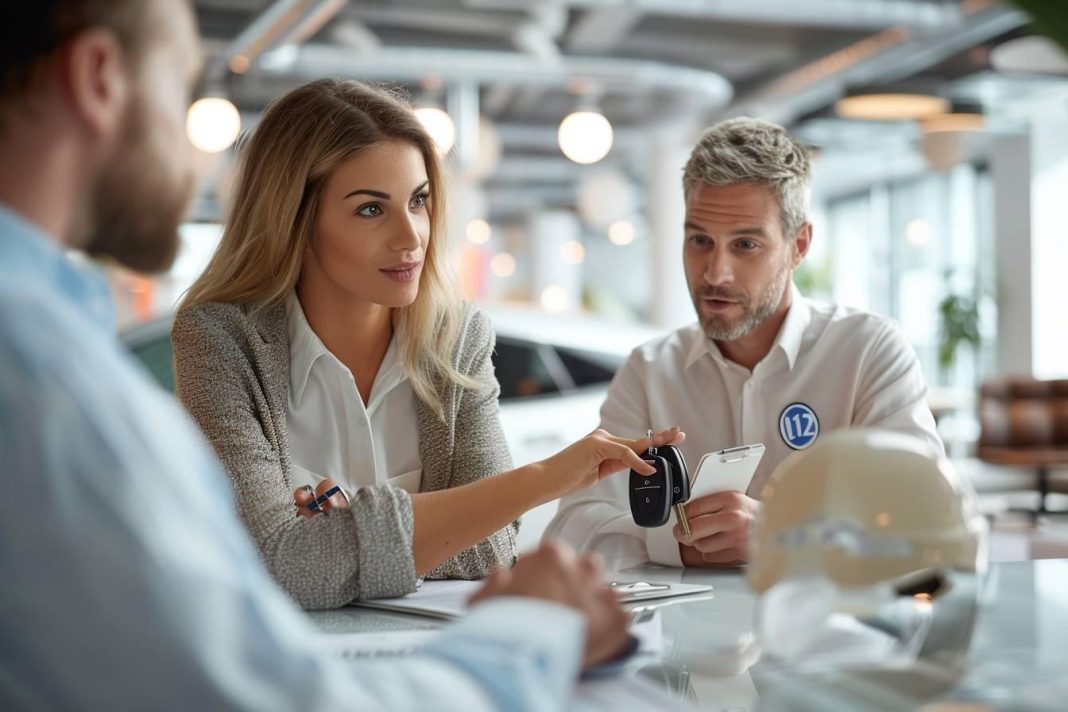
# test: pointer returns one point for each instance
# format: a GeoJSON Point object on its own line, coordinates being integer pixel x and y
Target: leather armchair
{"type": "Point", "coordinates": [1024, 423]}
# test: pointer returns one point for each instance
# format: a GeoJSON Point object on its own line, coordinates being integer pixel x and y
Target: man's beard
{"type": "Point", "coordinates": [719, 328]}
{"type": "Point", "coordinates": [137, 202]}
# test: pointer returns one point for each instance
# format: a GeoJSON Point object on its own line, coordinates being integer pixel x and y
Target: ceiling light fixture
{"type": "Point", "coordinates": [953, 122]}
{"type": "Point", "coordinates": [894, 106]}
{"type": "Point", "coordinates": [554, 299]}
{"type": "Point", "coordinates": [918, 232]}
{"type": "Point", "coordinates": [572, 252]}
{"type": "Point", "coordinates": [1030, 55]}
{"type": "Point", "coordinates": [212, 124]}
{"type": "Point", "coordinates": [621, 232]}
{"type": "Point", "coordinates": [502, 265]}
{"type": "Point", "coordinates": [439, 125]}
{"type": "Point", "coordinates": [585, 136]}
{"type": "Point", "coordinates": [478, 231]}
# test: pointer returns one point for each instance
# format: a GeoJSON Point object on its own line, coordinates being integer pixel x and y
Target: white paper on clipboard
{"type": "Point", "coordinates": [730, 469]}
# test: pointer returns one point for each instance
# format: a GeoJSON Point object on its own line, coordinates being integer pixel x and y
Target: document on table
{"type": "Point", "coordinates": [436, 599]}
{"type": "Point", "coordinates": [611, 692]}
{"type": "Point", "coordinates": [648, 631]}
{"type": "Point", "coordinates": [448, 599]}
{"type": "Point", "coordinates": [377, 645]}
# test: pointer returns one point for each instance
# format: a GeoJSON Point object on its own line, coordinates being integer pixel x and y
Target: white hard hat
{"type": "Point", "coordinates": [867, 554]}
{"type": "Point", "coordinates": [862, 507]}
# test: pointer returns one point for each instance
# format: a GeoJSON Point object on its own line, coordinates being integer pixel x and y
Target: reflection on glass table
{"type": "Point", "coordinates": [1009, 653]}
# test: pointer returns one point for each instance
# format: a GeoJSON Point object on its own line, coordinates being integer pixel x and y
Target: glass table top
{"type": "Point", "coordinates": [1009, 652]}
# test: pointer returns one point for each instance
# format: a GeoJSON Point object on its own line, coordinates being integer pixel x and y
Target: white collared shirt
{"type": "Point", "coordinates": [846, 368]}
{"type": "Point", "coordinates": [331, 433]}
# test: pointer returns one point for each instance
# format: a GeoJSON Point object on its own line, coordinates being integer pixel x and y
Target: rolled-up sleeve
{"type": "Point", "coordinates": [325, 562]}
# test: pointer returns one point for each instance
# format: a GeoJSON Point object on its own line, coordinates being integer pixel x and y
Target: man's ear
{"type": "Point", "coordinates": [95, 80]}
{"type": "Point", "coordinates": [802, 241]}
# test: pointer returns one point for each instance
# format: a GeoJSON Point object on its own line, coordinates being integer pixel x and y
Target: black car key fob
{"type": "Point", "coordinates": [680, 481]}
{"type": "Point", "coordinates": [651, 495]}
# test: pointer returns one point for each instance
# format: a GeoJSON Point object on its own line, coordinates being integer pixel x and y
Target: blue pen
{"type": "Point", "coordinates": [316, 504]}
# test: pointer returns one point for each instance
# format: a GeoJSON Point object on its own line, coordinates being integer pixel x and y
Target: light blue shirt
{"type": "Point", "coordinates": [126, 582]}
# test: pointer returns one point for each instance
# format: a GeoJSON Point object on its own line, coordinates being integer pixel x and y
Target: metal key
{"type": "Point", "coordinates": [683, 520]}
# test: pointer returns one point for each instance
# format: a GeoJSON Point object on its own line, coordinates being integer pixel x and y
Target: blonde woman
{"type": "Point", "coordinates": [325, 341]}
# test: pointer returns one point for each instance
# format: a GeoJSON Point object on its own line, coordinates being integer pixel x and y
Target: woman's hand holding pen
{"type": "Point", "coordinates": [310, 502]}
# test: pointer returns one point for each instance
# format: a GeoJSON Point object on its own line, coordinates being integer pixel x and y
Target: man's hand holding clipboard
{"type": "Point", "coordinates": [719, 511]}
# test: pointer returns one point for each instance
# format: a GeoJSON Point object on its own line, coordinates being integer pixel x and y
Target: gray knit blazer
{"type": "Point", "coordinates": [231, 368]}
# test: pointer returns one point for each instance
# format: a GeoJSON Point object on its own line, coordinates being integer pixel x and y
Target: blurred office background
{"type": "Point", "coordinates": [940, 130]}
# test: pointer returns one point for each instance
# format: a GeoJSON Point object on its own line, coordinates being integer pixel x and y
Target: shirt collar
{"type": "Point", "coordinates": [702, 346]}
{"type": "Point", "coordinates": [305, 348]}
{"type": "Point", "coordinates": [793, 328]}
{"type": "Point", "coordinates": [791, 334]}
{"type": "Point", "coordinates": [27, 251]}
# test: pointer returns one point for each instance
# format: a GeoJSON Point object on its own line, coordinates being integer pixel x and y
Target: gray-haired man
{"type": "Point", "coordinates": [761, 364]}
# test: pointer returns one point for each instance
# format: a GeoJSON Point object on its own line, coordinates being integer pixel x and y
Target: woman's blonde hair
{"type": "Point", "coordinates": [301, 139]}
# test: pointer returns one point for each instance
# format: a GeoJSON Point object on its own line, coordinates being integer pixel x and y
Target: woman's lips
{"type": "Point", "coordinates": [406, 272]}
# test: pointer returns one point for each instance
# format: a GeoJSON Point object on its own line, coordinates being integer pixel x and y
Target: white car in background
{"type": "Point", "coordinates": [554, 373]}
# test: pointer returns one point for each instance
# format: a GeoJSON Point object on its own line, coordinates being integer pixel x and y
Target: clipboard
{"type": "Point", "coordinates": [729, 469]}
{"type": "Point", "coordinates": [636, 591]}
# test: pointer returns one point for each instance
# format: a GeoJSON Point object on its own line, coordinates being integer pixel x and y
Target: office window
{"type": "Point", "coordinates": [902, 248]}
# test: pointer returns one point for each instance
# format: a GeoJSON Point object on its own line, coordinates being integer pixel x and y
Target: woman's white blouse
{"type": "Point", "coordinates": [331, 433]}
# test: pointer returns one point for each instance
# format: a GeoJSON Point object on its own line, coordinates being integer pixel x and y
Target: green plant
{"type": "Point", "coordinates": [960, 325]}
{"type": "Point", "coordinates": [814, 279]}
{"type": "Point", "coordinates": [1050, 17]}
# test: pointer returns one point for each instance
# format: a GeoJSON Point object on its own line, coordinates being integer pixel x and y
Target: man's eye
{"type": "Point", "coordinates": [747, 244]}
{"type": "Point", "coordinates": [700, 240]}
{"type": "Point", "coordinates": [370, 210]}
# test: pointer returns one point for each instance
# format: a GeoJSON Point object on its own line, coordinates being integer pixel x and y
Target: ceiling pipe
{"type": "Point", "coordinates": [842, 14]}
{"type": "Point", "coordinates": [709, 90]}
{"type": "Point", "coordinates": [285, 21]}
{"type": "Point", "coordinates": [889, 56]}
{"type": "Point", "coordinates": [443, 20]}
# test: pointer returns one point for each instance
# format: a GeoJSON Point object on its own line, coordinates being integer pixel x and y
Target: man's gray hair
{"type": "Point", "coordinates": [746, 150]}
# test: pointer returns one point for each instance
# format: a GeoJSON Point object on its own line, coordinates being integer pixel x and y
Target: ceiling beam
{"type": "Point", "coordinates": [890, 56]}
{"type": "Point", "coordinates": [437, 20]}
{"type": "Point", "coordinates": [600, 29]}
{"type": "Point", "coordinates": [842, 14]}
{"type": "Point", "coordinates": [284, 21]}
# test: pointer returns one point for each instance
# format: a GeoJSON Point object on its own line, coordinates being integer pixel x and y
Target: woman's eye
{"type": "Point", "coordinates": [419, 200]}
{"type": "Point", "coordinates": [370, 210]}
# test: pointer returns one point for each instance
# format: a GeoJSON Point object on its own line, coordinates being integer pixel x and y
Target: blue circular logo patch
{"type": "Point", "coordinates": [798, 426]}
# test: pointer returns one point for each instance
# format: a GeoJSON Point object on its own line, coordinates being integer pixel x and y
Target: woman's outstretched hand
{"type": "Point", "coordinates": [598, 455]}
